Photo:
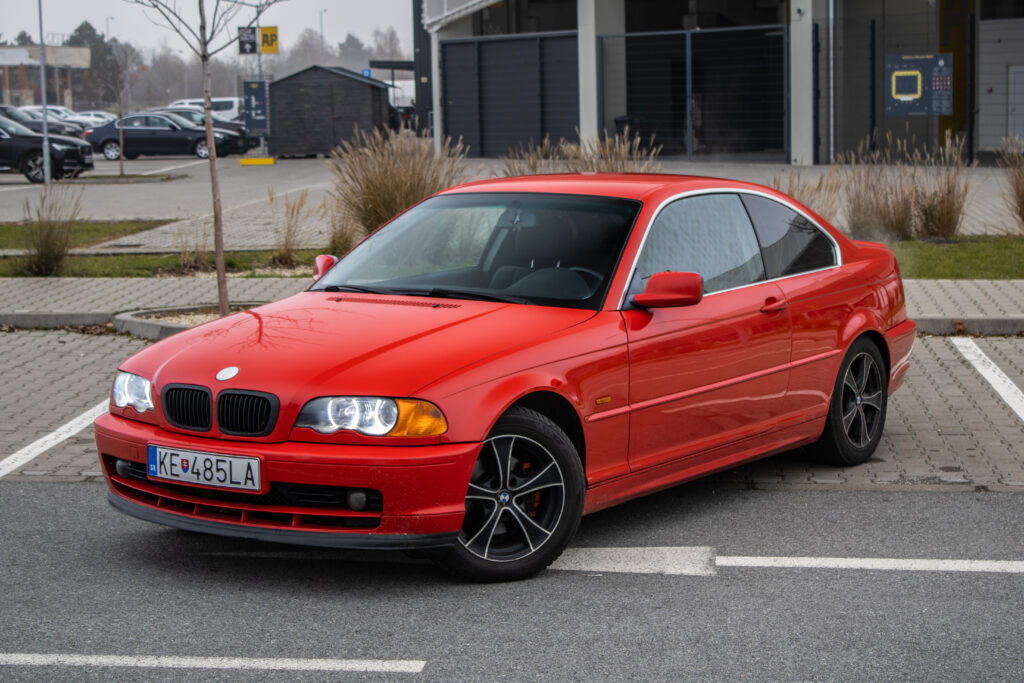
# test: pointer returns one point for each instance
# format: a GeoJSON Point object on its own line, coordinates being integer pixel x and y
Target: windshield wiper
{"type": "Point", "coordinates": [442, 293]}
{"type": "Point", "coordinates": [356, 288]}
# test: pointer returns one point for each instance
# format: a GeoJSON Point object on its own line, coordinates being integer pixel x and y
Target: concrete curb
{"type": "Point", "coordinates": [994, 327]}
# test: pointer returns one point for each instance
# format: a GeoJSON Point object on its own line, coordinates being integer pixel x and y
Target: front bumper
{"type": "Point", "coordinates": [421, 503]}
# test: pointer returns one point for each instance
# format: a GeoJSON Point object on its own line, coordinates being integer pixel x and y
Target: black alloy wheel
{"type": "Point", "coordinates": [856, 415]}
{"type": "Point", "coordinates": [523, 503]}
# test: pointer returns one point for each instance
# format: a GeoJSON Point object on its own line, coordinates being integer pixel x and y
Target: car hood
{"type": "Point", "coordinates": [62, 139]}
{"type": "Point", "coordinates": [318, 343]}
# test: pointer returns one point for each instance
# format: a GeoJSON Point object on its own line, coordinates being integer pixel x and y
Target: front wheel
{"type": "Point", "coordinates": [33, 168]}
{"type": "Point", "coordinates": [856, 415]}
{"type": "Point", "coordinates": [523, 503]}
{"type": "Point", "coordinates": [201, 150]}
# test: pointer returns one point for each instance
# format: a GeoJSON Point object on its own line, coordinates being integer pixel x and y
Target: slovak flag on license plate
{"type": "Point", "coordinates": [184, 464]}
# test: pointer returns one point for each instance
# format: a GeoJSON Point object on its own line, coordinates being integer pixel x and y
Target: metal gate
{"type": "Point", "coordinates": [499, 92]}
{"type": "Point", "coordinates": [712, 93]}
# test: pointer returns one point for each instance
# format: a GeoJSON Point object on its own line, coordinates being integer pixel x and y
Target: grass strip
{"type": "Point", "coordinates": [83, 233]}
{"type": "Point", "coordinates": [969, 258]}
{"type": "Point", "coordinates": [248, 263]}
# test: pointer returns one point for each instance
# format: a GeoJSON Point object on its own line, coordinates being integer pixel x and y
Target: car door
{"type": "Point", "coordinates": [137, 136]}
{"type": "Point", "coordinates": [716, 372]}
{"type": "Point", "coordinates": [166, 136]}
{"type": "Point", "coordinates": [803, 260]}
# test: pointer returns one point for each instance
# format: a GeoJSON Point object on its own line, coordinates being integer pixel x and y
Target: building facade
{"type": "Point", "coordinates": [798, 81]}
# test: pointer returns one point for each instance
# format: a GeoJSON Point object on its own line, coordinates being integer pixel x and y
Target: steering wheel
{"type": "Point", "coordinates": [593, 278]}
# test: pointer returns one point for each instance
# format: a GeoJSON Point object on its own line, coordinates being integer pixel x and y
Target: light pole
{"type": "Point", "coordinates": [42, 88]}
{"type": "Point", "coordinates": [106, 35]}
{"type": "Point", "coordinates": [322, 33]}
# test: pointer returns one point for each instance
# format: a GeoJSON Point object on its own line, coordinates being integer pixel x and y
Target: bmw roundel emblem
{"type": "Point", "coordinates": [503, 497]}
{"type": "Point", "coordinates": [227, 373]}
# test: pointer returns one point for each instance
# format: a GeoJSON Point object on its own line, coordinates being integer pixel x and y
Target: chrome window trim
{"type": "Point", "coordinates": [836, 251]}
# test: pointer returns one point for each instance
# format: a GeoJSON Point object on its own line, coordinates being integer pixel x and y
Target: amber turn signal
{"type": "Point", "coordinates": [418, 418]}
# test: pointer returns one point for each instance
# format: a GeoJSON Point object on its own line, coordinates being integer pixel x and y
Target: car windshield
{"type": "Point", "coordinates": [13, 127]}
{"type": "Point", "coordinates": [544, 249]}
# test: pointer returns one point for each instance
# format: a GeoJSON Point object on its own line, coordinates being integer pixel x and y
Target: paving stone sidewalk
{"type": "Point", "coordinates": [938, 306]}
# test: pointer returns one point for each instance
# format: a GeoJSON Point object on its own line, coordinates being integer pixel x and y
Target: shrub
{"type": "Point", "coordinates": [286, 226]}
{"type": "Point", "coordinates": [823, 195]}
{"type": "Point", "coordinates": [1011, 157]}
{"type": "Point", "coordinates": [380, 174]}
{"type": "Point", "coordinates": [620, 153]}
{"type": "Point", "coordinates": [193, 238]}
{"type": "Point", "coordinates": [59, 206]}
{"type": "Point", "coordinates": [942, 190]}
{"type": "Point", "coordinates": [879, 181]}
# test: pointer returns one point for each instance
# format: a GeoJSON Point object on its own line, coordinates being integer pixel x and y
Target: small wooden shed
{"type": "Point", "coordinates": [313, 110]}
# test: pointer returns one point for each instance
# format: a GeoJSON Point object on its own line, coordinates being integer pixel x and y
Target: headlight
{"type": "Point", "coordinates": [373, 416]}
{"type": "Point", "coordinates": [132, 390]}
{"type": "Point", "coordinates": [219, 136]}
{"type": "Point", "coordinates": [60, 146]}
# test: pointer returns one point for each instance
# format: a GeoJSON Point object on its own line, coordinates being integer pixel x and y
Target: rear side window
{"type": "Point", "coordinates": [791, 244]}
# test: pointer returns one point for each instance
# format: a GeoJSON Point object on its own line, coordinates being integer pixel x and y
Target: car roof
{"type": "Point", "coordinates": [625, 185]}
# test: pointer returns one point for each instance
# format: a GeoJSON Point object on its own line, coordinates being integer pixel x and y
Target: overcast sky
{"type": "Point", "coordinates": [129, 21]}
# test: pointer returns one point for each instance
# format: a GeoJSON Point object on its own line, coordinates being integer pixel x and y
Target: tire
{"type": "Point", "coordinates": [856, 414]}
{"type": "Point", "coordinates": [33, 167]}
{"type": "Point", "coordinates": [201, 150]}
{"type": "Point", "coordinates": [523, 503]}
{"type": "Point", "coordinates": [111, 150]}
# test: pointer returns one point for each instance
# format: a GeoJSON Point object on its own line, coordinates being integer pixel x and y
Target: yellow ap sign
{"type": "Point", "coordinates": [268, 40]}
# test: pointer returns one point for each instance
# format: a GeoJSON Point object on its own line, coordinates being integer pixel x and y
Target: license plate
{"type": "Point", "coordinates": [204, 469]}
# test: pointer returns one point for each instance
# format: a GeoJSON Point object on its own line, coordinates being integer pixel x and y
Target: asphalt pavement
{"type": "Point", "coordinates": [96, 583]}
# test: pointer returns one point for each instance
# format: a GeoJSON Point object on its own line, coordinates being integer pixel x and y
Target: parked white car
{"type": "Point", "coordinates": [227, 107]}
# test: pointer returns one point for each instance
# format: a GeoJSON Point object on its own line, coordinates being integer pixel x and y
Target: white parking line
{"type": "Point", "coordinates": [19, 187]}
{"type": "Point", "coordinates": [702, 561]}
{"type": "Point", "coordinates": [66, 431]}
{"type": "Point", "coordinates": [175, 168]}
{"type": "Point", "coordinates": [411, 666]}
{"type": "Point", "coordinates": [1003, 385]}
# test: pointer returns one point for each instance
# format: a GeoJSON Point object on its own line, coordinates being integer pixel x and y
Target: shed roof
{"type": "Point", "coordinates": [338, 71]}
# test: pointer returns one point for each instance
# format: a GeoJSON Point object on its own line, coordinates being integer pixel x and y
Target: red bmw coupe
{"type": "Point", "coordinates": [507, 356]}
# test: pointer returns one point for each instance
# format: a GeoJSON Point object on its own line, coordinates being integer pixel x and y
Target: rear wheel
{"type": "Point", "coordinates": [523, 503]}
{"type": "Point", "coordinates": [201, 150]}
{"type": "Point", "coordinates": [111, 150]}
{"type": "Point", "coordinates": [856, 415]}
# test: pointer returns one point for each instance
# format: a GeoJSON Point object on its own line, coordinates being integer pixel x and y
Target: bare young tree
{"type": "Point", "coordinates": [206, 34]}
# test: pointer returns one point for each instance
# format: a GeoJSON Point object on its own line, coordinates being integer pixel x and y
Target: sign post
{"type": "Point", "coordinates": [257, 40]}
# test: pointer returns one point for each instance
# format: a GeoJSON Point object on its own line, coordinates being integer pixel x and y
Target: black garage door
{"type": "Point", "coordinates": [505, 91]}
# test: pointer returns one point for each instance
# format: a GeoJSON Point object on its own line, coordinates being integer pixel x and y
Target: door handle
{"type": "Point", "coordinates": [774, 305]}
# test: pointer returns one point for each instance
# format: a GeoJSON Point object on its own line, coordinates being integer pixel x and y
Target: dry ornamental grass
{"type": "Point", "coordinates": [624, 152]}
{"type": "Point", "coordinates": [59, 206]}
{"type": "Point", "coordinates": [1011, 158]}
{"type": "Point", "coordinates": [378, 175]}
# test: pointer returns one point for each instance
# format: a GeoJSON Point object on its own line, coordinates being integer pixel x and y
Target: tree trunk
{"type": "Point", "coordinates": [218, 219]}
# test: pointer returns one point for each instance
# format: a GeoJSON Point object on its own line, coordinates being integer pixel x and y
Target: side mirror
{"type": "Point", "coordinates": [321, 264]}
{"type": "Point", "coordinates": [669, 289]}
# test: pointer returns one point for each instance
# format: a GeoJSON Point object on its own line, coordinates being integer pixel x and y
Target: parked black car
{"type": "Point", "coordinates": [54, 125]}
{"type": "Point", "coordinates": [21, 151]}
{"type": "Point", "coordinates": [194, 116]}
{"type": "Point", "coordinates": [154, 134]}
